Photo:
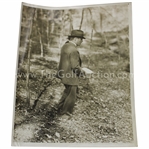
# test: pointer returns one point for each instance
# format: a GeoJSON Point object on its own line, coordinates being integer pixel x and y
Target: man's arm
{"type": "Point", "coordinates": [75, 64]}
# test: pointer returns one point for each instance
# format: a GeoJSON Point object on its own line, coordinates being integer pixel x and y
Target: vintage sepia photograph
{"type": "Point", "coordinates": [74, 77]}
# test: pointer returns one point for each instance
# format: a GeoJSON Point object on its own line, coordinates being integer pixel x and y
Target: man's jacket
{"type": "Point", "coordinates": [70, 64]}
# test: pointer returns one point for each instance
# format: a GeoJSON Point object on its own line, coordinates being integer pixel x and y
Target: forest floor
{"type": "Point", "coordinates": [102, 112]}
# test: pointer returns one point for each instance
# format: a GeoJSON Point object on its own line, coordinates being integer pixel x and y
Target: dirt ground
{"type": "Point", "coordinates": [102, 112]}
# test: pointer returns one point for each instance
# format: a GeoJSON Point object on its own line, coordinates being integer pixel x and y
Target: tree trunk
{"type": "Point", "coordinates": [81, 19]}
{"type": "Point", "coordinates": [91, 39]}
{"type": "Point", "coordinates": [41, 46]}
{"type": "Point", "coordinates": [27, 76]}
{"type": "Point", "coordinates": [71, 23]}
{"type": "Point", "coordinates": [92, 26]}
{"type": "Point", "coordinates": [102, 33]}
{"type": "Point", "coordinates": [106, 41]}
{"type": "Point", "coordinates": [52, 28]}
{"type": "Point", "coordinates": [28, 62]}
{"type": "Point", "coordinates": [48, 45]}
{"type": "Point", "coordinates": [40, 30]}
{"type": "Point", "coordinates": [101, 24]}
{"type": "Point", "coordinates": [62, 31]}
{"type": "Point", "coordinates": [53, 24]}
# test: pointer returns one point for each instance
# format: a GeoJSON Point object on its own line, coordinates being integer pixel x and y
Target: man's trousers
{"type": "Point", "coordinates": [68, 99]}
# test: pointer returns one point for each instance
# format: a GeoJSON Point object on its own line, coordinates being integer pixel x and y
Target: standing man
{"type": "Point", "coordinates": [70, 70]}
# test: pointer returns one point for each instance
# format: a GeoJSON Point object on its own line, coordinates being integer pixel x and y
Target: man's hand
{"type": "Point", "coordinates": [82, 73]}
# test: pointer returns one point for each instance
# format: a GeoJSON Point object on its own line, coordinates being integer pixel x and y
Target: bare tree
{"type": "Point", "coordinates": [67, 22]}
{"type": "Point", "coordinates": [117, 26]}
{"type": "Point", "coordinates": [71, 23]}
{"type": "Point", "coordinates": [92, 23]}
{"type": "Point", "coordinates": [28, 59]}
{"type": "Point", "coordinates": [92, 27]}
{"type": "Point", "coordinates": [62, 29]}
{"type": "Point", "coordinates": [39, 28]}
{"type": "Point", "coordinates": [82, 16]}
{"type": "Point", "coordinates": [52, 22]}
{"type": "Point", "coordinates": [52, 27]}
{"type": "Point", "coordinates": [101, 30]}
{"type": "Point", "coordinates": [48, 13]}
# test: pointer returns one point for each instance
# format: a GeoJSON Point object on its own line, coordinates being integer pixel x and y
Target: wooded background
{"type": "Point", "coordinates": [104, 26]}
{"type": "Point", "coordinates": [43, 32]}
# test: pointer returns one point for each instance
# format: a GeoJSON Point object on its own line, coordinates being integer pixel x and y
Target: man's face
{"type": "Point", "coordinates": [79, 41]}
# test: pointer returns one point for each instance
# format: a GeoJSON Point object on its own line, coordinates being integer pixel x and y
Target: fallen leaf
{"type": "Point", "coordinates": [104, 136]}
{"type": "Point", "coordinates": [76, 140]}
{"type": "Point", "coordinates": [57, 134]}
{"type": "Point", "coordinates": [44, 141]}
{"type": "Point", "coordinates": [56, 141]}
{"type": "Point", "coordinates": [103, 105]}
{"type": "Point", "coordinates": [48, 136]}
{"type": "Point", "coordinates": [64, 138]}
{"type": "Point", "coordinates": [71, 137]}
{"type": "Point", "coordinates": [95, 98]}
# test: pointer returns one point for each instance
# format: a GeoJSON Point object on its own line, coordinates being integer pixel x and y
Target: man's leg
{"type": "Point", "coordinates": [65, 94]}
{"type": "Point", "coordinates": [70, 100]}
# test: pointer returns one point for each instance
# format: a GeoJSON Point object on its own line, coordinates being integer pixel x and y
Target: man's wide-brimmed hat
{"type": "Point", "coordinates": [77, 33]}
